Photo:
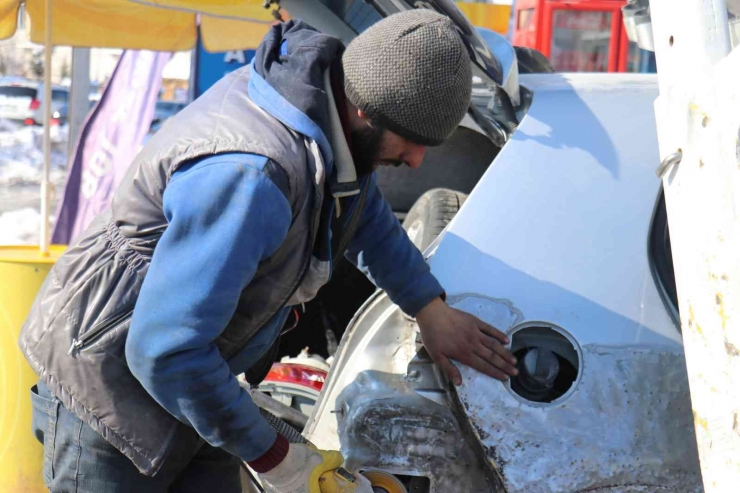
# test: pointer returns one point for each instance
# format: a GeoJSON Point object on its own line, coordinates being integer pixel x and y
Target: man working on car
{"type": "Point", "coordinates": [230, 215]}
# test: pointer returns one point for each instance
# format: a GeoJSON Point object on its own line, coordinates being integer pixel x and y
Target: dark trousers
{"type": "Point", "coordinates": [78, 460]}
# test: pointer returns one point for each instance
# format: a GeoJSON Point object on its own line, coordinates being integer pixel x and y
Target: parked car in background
{"type": "Point", "coordinates": [163, 111]}
{"type": "Point", "coordinates": [22, 100]}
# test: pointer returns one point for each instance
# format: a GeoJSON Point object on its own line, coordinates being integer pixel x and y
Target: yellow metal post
{"type": "Point", "coordinates": [44, 239]}
{"type": "Point", "coordinates": [698, 124]}
{"type": "Point", "coordinates": [22, 271]}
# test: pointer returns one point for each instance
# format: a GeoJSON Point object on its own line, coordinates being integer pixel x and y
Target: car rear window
{"type": "Point", "coordinates": [59, 95]}
{"type": "Point", "coordinates": [18, 92]}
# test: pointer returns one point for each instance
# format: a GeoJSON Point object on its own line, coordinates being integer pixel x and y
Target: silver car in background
{"type": "Point", "coordinates": [23, 101]}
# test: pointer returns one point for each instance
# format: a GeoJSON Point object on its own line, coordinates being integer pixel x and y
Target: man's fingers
{"type": "Point", "coordinates": [484, 366]}
{"type": "Point", "coordinates": [449, 369]}
{"type": "Point", "coordinates": [493, 332]}
{"type": "Point", "coordinates": [496, 360]}
{"type": "Point", "coordinates": [497, 348]}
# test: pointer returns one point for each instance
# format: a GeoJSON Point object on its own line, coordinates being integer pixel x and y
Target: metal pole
{"type": "Point", "coordinates": [79, 97]}
{"type": "Point", "coordinates": [192, 82]}
{"type": "Point", "coordinates": [698, 120]}
{"type": "Point", "coordinates": [45, 185]}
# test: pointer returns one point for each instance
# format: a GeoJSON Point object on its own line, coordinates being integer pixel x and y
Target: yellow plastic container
{"type": "Point", "coordinates": [22, 270]}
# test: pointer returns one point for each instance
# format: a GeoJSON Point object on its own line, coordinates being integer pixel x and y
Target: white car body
{"type": "Point", "coordinates": [555, 236]}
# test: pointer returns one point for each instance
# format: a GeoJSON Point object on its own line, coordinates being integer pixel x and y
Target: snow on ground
{"type": "Point", "coordinates": [19, 227]}
{"type": "Point", "coordinates": [21, 161]}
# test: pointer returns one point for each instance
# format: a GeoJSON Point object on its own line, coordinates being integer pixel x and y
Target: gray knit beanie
{"type": "Point", "coordinates": [410, 73]}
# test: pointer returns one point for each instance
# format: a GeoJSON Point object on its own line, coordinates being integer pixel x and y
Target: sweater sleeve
{"type": "Point", "coordinates": [225, 215]}
{"type": "Point", "coordinates": [383, 252]}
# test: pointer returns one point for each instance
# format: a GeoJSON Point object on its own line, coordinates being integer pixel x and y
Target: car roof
{"type": "Point", "coordinates": [19, 82]}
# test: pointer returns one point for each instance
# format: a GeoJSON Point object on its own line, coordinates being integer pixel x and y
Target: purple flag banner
{"type": "Point", "coordinates": [109, 140]}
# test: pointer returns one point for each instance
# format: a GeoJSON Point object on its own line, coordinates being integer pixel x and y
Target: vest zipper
{"type": "Point", "coordinates": [97, 331]}
{"type": "Point", "coordinates": [349, 224]}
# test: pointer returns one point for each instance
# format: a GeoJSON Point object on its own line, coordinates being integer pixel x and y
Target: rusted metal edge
{"type": "Point", "coordinates": [494, 478]}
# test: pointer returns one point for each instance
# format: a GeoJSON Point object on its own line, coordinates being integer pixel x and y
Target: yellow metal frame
{"type": "Point", "coordinates": [22, 271]}
{"type": "Point", "coordinates": [164, 25]}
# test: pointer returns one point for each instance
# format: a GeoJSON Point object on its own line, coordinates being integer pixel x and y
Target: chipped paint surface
{"type": "Point", "coordinates": [626, 428]}
{"type": "Point", "coordinates": [387, 424]}
{"type": "Point", "coordinates": [500, 310]}
{"type": "Point", "coordinates": [386, 407]}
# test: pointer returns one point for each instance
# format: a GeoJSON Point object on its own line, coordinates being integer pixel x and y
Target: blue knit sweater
{"type": "Point", "coordinates": [200, 266]}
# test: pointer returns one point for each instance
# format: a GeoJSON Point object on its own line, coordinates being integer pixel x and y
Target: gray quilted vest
{"type": "Point", "coordinates": [75, 335]}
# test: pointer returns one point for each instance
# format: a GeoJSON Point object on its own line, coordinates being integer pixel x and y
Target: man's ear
{"type": "Point", "coordinates": [364, 118]}
{"type": "Point", "coordinates": [358, 119]}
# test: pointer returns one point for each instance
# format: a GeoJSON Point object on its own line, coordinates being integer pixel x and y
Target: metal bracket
{"type": "Point", "coordinates": [668, 163]}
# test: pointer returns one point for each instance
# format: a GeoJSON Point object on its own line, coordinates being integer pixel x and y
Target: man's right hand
{"type": "Point", "coordinates": [301, 469]}
{"type": "Point", "coordinates": [450, 334]}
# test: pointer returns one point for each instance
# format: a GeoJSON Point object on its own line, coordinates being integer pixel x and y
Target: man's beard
{"type": "Point", "coordinates": [366, 148]}
{"type": "Point", "coordinates": [366, 145]}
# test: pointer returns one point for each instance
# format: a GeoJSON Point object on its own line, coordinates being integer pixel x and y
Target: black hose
{"type": "Point", "coordinates": [290, 433]}
{"type": "Point", "coordinates": [286, 413]}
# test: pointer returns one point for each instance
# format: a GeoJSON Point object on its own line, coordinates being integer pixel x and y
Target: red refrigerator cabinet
{"type": "Point", "coordinates": [579, 35]}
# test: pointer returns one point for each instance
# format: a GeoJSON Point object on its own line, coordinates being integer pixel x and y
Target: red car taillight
{"type": "Point", "coordinates": [297, 374]}
{"type": "Point", "coordinates": [29, 121]}
{"type": "Point", "coordinates": [35, 104]}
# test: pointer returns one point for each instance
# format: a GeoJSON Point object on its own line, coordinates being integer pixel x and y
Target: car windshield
{"type": "Point", "coordinates": [17, 92]}
{"type": "Point", "coordinates": [360, 14]}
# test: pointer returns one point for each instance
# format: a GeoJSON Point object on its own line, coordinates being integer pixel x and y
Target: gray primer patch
{"type": "Point", "coordinates": [387, 425]}
{"type": "Point", "coordinates": [627, 428]}
{"type": "Point", "coordinates": [501, 312]}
